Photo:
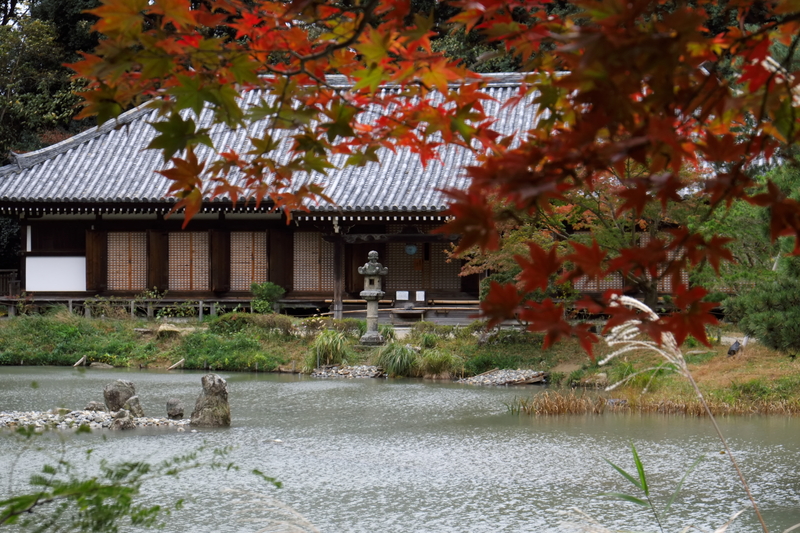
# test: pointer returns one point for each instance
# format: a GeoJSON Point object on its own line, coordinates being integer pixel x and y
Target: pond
{"type": "Point", "coordinates": [405, 456]}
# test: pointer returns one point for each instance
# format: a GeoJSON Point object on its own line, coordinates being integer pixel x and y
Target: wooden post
{"type": "Point", "coordinates": [200, 310]}
{"type": "Point", "coordinates": [80, 361]}
{"type": "Point", "coordinates": [69, 304]}
{"type": "Point", "coordinates": [12, 310]}
{"type": "Point", "coordinates": [338, 277]}
{"type": "Point", "coordinates": [213, 308]}
{"type": "Point", "coordinates": [87, 311]}
{"type": "Point", "coordinates": [149, 309]}
{"type": "Point", "coordinates": [133, 308]}
{"type": "Point", "coordinates": [176, 365]}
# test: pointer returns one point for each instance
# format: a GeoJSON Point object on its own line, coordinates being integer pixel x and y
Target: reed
{"type": "Point", "coordinates": [569, 403]}
{"type": "Point", "coordinates": [557, 403]}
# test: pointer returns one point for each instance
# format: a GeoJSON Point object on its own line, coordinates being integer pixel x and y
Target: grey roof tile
{"type": "Point", "coordinates": [109, 163]}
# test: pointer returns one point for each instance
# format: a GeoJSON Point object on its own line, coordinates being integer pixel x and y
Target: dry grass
{"type": "Point", "coordinates": [757, 362]}
{"type": "Point", "coordinates": [557, 403]}
{"type": "Point", "coordinates": [551, 402]}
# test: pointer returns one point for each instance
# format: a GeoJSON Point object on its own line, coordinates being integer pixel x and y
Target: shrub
{"type": "Point", "coordinates": [429, 328]}
{"type": "Point", "coordinates": [275, 323]}
{"type": "Point", "coordinates": [204, 350]}
{"type": "Point", "coordinates": [229, 323]}
{"type": "Point", "coordinates": [515, 336]}
{"type": "Point", "coordinates": [233, 323]}
{"type": "Point", "coordinates": [187, 309]}
{"type": "Point", "coordinates": [469, 331]}
{"type": "Point", "coordinates": [437, 362]}
{"type": "Point", "coordinates": [265, 296]}
{"type": "Point", "coordinates": [312, 326]}
{"type": "Point", "coordinates": [397, 359]}
{"type": "Point", "coordinates": [354, 327]}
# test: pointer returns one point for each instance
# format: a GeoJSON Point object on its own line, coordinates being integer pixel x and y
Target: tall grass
{"type": "Point", "coordinates": [439, 363]}
{"type": "Point", "coordinates": [397, 360]}
{"type": "Point", "coordinates": [329, 348]}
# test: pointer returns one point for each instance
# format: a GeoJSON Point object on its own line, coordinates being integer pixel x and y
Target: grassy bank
{"type": "Point", "coordinates": [756, 381]}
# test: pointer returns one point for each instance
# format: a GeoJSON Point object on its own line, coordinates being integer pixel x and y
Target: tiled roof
{"type": "Point", "coordinates": [109, 164]}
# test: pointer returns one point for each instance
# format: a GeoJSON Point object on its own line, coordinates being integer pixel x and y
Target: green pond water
{"type": "Point", "coordinates": [412, 456]}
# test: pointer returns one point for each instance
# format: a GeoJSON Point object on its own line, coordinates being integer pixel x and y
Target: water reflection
{"type": "Point", "coordinates": [399, 456]}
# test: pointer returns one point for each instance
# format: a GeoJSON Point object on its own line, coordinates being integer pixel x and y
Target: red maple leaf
{"type": "Point", "coordinates": [536, 272]}
{"type": "Point", "coordinates": [587, 261]}
{"type": "Point", "coordinates": [500, 303]}
{"type": "Point", "coordinates": [692, 316]}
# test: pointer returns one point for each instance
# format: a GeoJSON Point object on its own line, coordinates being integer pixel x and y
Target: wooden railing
{"type": "Point", "coordinates": [9, 282]}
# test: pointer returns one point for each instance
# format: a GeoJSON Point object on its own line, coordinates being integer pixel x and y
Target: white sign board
{"type": "Point", "coordinates": [55, 274]}
{"type": "Point", "coordinates": [402, 296]}
{"type": "Point", "coordinates": [420, 296]}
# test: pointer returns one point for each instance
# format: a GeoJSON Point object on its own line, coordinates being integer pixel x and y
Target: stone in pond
{"type": "Point", "coordinates": [117, 393]}
{"type": "Point", "coordinates": [95, 406]}
{"type": "Point", "coordinates": [211, 408]}
{"type": "Point", "coordinates": [134, 406]}
{"type": "Point", "coordinates": [122, 420]}
{"type": "Point", "coordinates": [174, 409]}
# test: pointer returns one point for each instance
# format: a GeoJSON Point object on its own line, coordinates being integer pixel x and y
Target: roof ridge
{"type": "Point", "coordinates": [29, 159]}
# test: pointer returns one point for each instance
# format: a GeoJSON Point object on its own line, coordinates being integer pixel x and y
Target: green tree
{"type": "Point", "coordinates": [37, 99]}
{"type": "Point", "coordinates": [767, 303]}
{"type": "Point", "coordinates": [72, 23]}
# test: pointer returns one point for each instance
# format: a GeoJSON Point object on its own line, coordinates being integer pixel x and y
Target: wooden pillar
{"type": "Point", "coordinates": [200, 311]}
{"type": "Point", "coordinates": [338, 277]}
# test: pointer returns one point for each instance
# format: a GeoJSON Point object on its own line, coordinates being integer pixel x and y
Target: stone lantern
{"type": "Point", "coordinates": [372, 293]}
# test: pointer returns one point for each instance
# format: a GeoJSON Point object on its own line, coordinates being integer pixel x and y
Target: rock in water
{"type": "Point", "coordinates": [122, 420]}
{"type": "Point", "coordinates": [95, 406]}
{"type": "Point", "coordinates": [174, 409]}
{"type": "Point", "coordinates": [134, 406]}
{"type": "Point", "coordinates": [212, 409]}
{"type": "Point", "coordinates": [117, 393]}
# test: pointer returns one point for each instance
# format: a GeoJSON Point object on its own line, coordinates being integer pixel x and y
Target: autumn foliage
{"type": "Point", "coordinates": [655, 82]}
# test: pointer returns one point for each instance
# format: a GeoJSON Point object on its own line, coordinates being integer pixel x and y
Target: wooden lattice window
{"type": "Point", "coordinates": [188, 261]}
{"type": "Point", "coordinates": [313, 262]}
{"type": "Point", "coordinates": [444, 274]}
{"type": "Point", "coordinates": [127, 261]}
{"type": "Point", "coordinates": [612, 281]}
{"type": "Point", "coordinates": [248, 259]}
{"type": "Point", "coordinates": [405, 271]}
{"type": "Point", "coordinates": [426, 269]}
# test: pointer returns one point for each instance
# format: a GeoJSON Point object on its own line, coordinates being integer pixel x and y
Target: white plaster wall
{"type": "Point", "coordinates": [55, 274]}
